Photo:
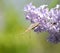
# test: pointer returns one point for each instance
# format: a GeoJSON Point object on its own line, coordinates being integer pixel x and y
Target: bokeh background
{"type": "Point", "coordinates": [13, 24]}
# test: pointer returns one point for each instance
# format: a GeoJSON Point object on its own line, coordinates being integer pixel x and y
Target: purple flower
{"type": "Point", "coordinates": [49, 20]}
{"type": "Point", "coordinates": [54, 37]}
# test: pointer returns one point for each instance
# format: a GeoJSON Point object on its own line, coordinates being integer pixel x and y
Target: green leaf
{"type": "Point", "coordinates": [53, 3]}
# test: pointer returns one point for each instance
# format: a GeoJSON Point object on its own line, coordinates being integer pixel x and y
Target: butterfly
{"type": "Point", "coordinates": [32, 26]}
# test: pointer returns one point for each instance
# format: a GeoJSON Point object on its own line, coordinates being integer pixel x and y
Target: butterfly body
{"type": "Point", "coordinates": [32, 26]}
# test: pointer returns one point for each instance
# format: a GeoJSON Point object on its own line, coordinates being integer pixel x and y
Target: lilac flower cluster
{"type": "Point", "coordinates": [49, 20]}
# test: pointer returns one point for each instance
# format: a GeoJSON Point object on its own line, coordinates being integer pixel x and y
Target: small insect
{"type": "Point", "coordinates": [32, 26]}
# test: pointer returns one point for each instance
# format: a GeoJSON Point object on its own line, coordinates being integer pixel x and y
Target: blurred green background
{"type": "Point", "coordinates": [13, 24]}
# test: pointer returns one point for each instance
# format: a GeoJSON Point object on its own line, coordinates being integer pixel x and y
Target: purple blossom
{"type": "Point", "coordinates": [54, 37]}
{"type": "Point", "coordinates": [49, 20]}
